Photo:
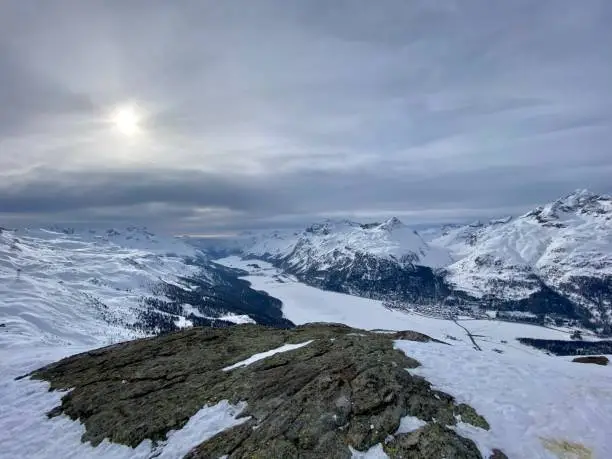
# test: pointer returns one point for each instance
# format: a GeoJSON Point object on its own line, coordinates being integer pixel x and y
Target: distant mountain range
{"type": "Point", "coordinates": [552, 264]}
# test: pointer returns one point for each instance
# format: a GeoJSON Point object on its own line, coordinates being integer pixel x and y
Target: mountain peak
{"type": "Point", "coordinates": [501, 220]}
{"type": "Point", "coordinates": [328, 226]}
{"type": "Point", "coordinates": [392, 224]}
{"type": "Point", "coordinates": [579, 202]}
{"type": "Point", "coordinates": [578, 197]}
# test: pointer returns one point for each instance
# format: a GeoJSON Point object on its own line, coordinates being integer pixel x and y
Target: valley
{"type": "Point", "coordinates": [499, 380]}
{"type": "Point", "coordinates": [505, 354]}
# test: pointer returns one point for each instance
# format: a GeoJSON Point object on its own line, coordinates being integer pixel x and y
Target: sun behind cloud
{"type": "Point", "coordinates": [127, 120]}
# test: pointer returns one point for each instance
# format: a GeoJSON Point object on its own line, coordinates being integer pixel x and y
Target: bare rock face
{"type": "Point", "coordinates": [597, 360]}
{"type": "Point", "coordinates": [346, 388]}
{"type": "Point", "coordinates": [410, 335]}
{"type": "Point", "coordinates": [497, 454]}
{"type": "Point", "coordinates": [432, 440]}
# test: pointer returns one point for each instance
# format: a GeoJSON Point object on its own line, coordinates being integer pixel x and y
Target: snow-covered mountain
{"type": "Point", "coordinates": [555, 260]}
{"type": "Point", "coordinates": [379, 260]}
{"type": "Point", "coordinates": [564, 246]}
{"type": "Point", "coordinates": [339, 242]}
{"type": "Point", "coordinates": [62, 286]}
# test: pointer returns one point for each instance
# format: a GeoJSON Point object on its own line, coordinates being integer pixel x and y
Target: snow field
{"type": "Point", "coordinates": [527, 399]}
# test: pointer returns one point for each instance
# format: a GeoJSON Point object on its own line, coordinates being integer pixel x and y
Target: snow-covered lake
{"type": "Point", "coordinates": [303, 304]}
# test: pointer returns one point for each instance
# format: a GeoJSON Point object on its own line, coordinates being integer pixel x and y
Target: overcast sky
{"type": "Point", "coordinates": [268, 113]}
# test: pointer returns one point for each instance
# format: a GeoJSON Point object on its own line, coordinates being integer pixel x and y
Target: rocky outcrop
{"type": "Point", "coordinates": [597, 360]}
{"type": "Point", "coordinates": [432, 440]}
{"type": "Point", "coordinates": [345, 388]}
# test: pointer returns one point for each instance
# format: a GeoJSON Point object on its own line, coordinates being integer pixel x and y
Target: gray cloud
{"type": "Point", "coordinates": [273, 113]}
{"type": "Point", "coordinates": [52, 191]}
{"type": "Point", "coordinates": [25, 96]}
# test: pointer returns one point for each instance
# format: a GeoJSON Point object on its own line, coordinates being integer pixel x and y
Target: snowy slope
{"type": "Point", "coordinates": [140, 238]}
{"type": "Point", "coordinates": [536, 404]}
{"type": "Point", "coordinates": [62, 287]}
{"type": "Point", "coordinates": [565, 245]}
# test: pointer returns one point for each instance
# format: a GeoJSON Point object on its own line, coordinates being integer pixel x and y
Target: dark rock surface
{"type": "Point", "coordinates": [431, 441]}
{"type": "Point", "coordinates": [346, 388]}
{"type": "Point", "coordinates": [597, 360]}
{"type": "Point", "coordinates": [411, 335]}
{"type": "Point", "coordinates": [497, 454]}
{"type": "Point", "coordinates": [573, 347]}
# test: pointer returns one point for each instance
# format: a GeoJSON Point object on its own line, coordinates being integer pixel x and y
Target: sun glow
{"type": "Point", "coordinates": [126, 120]}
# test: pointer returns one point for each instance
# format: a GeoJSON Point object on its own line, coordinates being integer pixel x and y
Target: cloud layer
{"type": "Point", "coordinates": [277, 112]}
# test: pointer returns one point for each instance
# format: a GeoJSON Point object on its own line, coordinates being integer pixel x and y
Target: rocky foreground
{"type": "Point", "coordinates": [346, 389]}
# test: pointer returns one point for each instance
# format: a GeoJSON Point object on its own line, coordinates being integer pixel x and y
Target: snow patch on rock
{"type": "Point", "coordinates": [264, 355]}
